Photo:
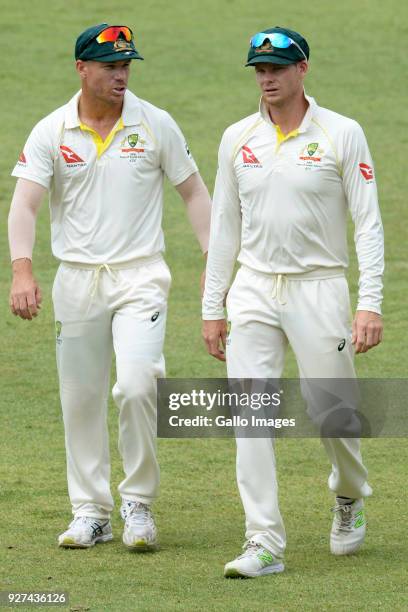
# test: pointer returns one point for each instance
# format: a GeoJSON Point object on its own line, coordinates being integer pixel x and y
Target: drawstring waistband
{"type": "Point", "coordinates": [280, 281]}
{"type": "Point", "coordinates": [110, 269]}
{"type": "Point", "coordinates": [279, 285]}
{"type": "Point", "coordinates": [95, 280]}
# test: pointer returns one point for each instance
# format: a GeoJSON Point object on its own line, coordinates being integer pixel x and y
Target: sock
{"type": "Point", "coordinates": [345, 500]}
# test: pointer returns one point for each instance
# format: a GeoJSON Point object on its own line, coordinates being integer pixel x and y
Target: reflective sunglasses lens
{"type": "Point", "coordinates": [111, 34]}
{"type": "Point", "coordinates": [258, 39]}
{"type": "Point", "coordinates": [280, 40]}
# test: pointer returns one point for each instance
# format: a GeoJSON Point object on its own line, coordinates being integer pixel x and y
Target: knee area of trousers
{"type": "Point", "coordinates": [136, 385]}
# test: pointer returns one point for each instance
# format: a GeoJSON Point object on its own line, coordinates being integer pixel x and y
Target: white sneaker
{"type": "Point", "coordinates": [349, 527]}
{"type": "Point", "coordinates": [84, 532]}
{"type": "Point", "coordinates": [140, 532]}
{"type": "Point", "coordinates": [255, 561]}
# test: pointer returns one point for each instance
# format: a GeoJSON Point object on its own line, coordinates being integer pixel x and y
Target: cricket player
{"type": "Point", "coordinates": [287, 176]}
{"type": "Point", "coordinates": [102, 157]}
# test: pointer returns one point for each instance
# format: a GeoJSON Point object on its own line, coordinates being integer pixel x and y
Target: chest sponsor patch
{"type": "Point", "coordinates": [249, 159]}
{"type": "Point", "coordinates": [72, 159]}
{"type": "Point", "coordinates": [367, 172]}
{"type": "Point", "coordinates": [132, 147]}
{"type": "Point", "coordinates": [311, 155]}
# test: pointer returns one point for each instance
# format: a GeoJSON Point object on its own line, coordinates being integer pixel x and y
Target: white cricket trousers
{"type": "Point", "coordinates": [98, 310]}
{"type": "Point", "coordinates": [311, 312]}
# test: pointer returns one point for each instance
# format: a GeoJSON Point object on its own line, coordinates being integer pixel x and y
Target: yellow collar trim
{"type": "Point", "coordinates": [102, 145]}
{"type": "Point", "coordinates": [282, 137]}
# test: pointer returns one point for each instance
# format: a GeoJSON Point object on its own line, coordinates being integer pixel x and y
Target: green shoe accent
{"type": "Point", "coordinates": [266, 557]}
{"type": "Point", "coordinates": [360, 520]}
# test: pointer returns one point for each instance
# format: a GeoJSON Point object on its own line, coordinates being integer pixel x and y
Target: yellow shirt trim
{"type": "Point", "coordinates": [102, 145]}
{"type": "Point", "coordinates": [282, 137]}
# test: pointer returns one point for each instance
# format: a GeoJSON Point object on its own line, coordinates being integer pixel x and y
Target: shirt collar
{"type": "Point", "coordinates": [131, 112]}
{"type": "Point", "coordinates": [306, 121]}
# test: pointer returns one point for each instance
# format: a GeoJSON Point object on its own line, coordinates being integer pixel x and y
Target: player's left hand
{"type": "Point", "coordinates": [367, 330]}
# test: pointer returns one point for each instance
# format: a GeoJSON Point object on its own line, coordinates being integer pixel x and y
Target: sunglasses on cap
{"type": "Point", "coordinates": [277, 40]}
{"type": "Point", "coordinates": [112, 34]}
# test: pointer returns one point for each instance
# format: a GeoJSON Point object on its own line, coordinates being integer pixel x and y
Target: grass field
{"type": "Point", "coordinates": [194, 68]}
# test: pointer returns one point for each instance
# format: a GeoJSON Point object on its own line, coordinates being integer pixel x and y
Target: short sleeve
{"type": "Point", "coordinates": [36, 162]}
{"type": "Point", "coordinates": [175, 157]}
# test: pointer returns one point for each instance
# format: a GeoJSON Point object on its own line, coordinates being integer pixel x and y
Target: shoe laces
{"type": "Point", "coordinates": [344, 516]}
{"type": "Point", "coordinates": [251, 549]}
{"type": "Point", "coordinates": [138, 513]}
{"type": "Point", "coordinates": [89, 522]}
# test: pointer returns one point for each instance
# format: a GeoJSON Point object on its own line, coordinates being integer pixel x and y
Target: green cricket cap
{"type": "Point", "coordinates": [88, 48]}
{"type": "Point", "coordinates": [276, 55]}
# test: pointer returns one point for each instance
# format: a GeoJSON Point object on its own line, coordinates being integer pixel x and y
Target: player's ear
{"type": "Point", "coordinates": [303, 67]}
{"type": "Point", "coordinates": [80, 66]}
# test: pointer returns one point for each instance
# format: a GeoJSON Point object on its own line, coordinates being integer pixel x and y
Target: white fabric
{"type": "Point", "coordinates": [314, 319]}
{"type": "Point", "coordinates": [127, 315]}
{"type": "Point", "coordinates": [283, 208]}
{"type": "Point", "coordinates": [95, 203]}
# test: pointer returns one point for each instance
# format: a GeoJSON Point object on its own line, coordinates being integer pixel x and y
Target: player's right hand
{"type": "Point", "coordinates": [215, 337]}
{"type": "Point", "coordinates": [25, 294]}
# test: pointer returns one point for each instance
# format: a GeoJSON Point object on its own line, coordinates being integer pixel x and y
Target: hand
{"type": "Point", "coordinates": [25, 294]}
{"type": "Point", "coordinates": [367, 330]}
{"type": "Point", "coordinates": [215, 337]}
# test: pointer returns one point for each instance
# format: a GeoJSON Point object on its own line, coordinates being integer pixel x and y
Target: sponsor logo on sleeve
{"type": "Point", "coordinates": [367, 172]}
{"type": "Point", "coordinates": [22, 159]}
{"type": "Point", "coordinates": [72, 159]}
{"type": "Point", "coordinates": [249, 159]}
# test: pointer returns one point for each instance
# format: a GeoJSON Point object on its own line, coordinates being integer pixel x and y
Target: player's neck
{"type": "Point", "coordinates": [96, 112]}
{"type": "Point", "coordinates": [290, 115]}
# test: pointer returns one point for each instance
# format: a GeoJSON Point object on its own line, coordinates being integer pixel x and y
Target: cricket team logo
{"type": "Point", "coordinates": [312, 148]}
{"type": "Point", "coordinates": [367, 172]}
{"type": "Point", "coordinates": [122, 45]}
{"type": "Point", "coordinates": [249, 159]}
{"type": "Point", "coordinates": [58, 329]}
{"type": "Point", "coordinates": [132, 147]}
{"type": "Point", "coordinates": [311, 152]}
{"type": "Point", "coordinates": [132, 139]}
{"type": "Point", "coordinates": [266, 47]}
{"type": "Point", "coordinates": [72, 159]}
{"type": "Point", "coordinates": [310, 155]}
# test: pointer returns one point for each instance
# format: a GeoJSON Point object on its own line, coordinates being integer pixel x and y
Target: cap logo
{"type": "Point", "coordinates": [121, 45]}
{"type": "Point", "coordinates": [265, 48]}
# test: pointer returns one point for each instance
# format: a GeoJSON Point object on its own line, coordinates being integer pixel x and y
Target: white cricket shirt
{"type": "Point", "coordinates": [281, 207]}
{"type": "Point", "coordinates": [106, 207]}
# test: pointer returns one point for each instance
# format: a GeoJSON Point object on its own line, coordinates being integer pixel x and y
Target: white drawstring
{"type": "Point", "coordinates": [95, 279]}
{"type": "Point", "coordinates": [279, 286]}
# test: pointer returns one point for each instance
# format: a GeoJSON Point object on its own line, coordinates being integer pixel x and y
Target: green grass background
{"type": "Point", "coordinates": [194, 53]}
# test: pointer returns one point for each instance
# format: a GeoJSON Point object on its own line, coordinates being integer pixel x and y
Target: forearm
{"type": "Point", "coordinates": [225, 240]}
{"type": "Point", "coordinates": [22, 218]}
{"type": "Point", "coordinates": [21, 231]}
{"type": "Point", "coordinates": [199, 214]}
{"type": "Point", "coordinates": [197, 200]}
{"type": "Point", "coordinates": [369, 242]}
